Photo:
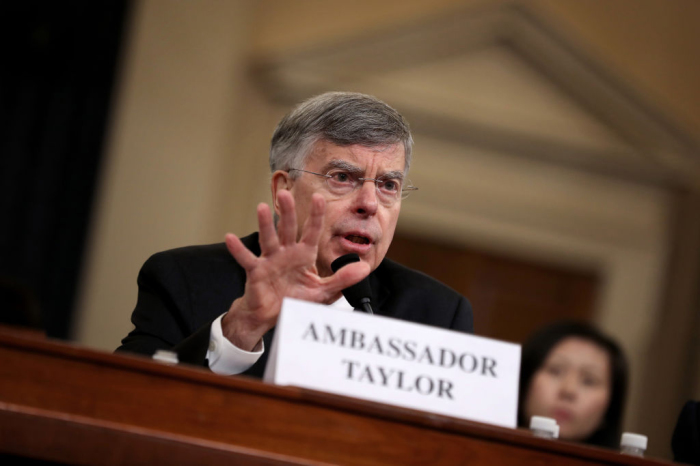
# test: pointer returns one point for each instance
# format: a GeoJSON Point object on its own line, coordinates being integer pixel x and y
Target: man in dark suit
{"type": "Point", "coordinates": [339, 163]}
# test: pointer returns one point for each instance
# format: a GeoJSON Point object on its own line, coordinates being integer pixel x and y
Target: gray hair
{"type": "Point", "coordinates": [343, 118]}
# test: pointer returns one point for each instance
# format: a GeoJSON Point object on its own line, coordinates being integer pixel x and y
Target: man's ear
{"type": "Point", "coordinates": [280, 181]}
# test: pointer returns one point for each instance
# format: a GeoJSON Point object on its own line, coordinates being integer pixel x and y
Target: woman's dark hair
{"type": "Point", "coordinates": [534, 353]}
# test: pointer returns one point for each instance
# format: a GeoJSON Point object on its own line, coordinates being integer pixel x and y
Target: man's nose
{"type": "Point", "coordinates": [366, 202]}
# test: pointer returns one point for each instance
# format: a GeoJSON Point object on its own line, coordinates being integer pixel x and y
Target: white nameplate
{"type": "Point", "coordinates": [395, 362]}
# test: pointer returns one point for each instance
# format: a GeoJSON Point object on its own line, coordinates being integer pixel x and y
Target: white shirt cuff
{"type": "Point", "coordinates": [342, 304]}
{"type": "Point", "coordinates": [224, 357]}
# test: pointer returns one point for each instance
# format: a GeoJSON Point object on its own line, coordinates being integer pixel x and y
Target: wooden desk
{"type": "Point", "coordinates": [64, 403]}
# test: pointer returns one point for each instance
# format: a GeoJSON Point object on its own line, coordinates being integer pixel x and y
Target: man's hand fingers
{"type": "Point", "coordinates": [314, 223]}
{"type": "Point", "coordinates": [346, 276]}
{"type": "Point", "coordinates": [287, 225]}
{"type": "Point", "coordinates": [239, 252]}
{"type": "Point", "coordinates": [268, 236]}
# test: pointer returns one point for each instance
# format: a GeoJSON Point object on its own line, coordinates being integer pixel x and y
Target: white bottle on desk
{"type": "Point", "coordinates": [544, 427]}
{"type": "Point", "coordinates": [633, 444]}
{"type": "Point", "coordinates": [166, 357]}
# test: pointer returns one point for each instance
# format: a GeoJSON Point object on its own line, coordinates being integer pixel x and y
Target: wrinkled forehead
{"type": "Point", "coordinates": [380, 159]}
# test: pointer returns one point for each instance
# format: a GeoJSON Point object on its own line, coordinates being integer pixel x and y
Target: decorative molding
{"type": "Point", "coordinates": [665, 155]}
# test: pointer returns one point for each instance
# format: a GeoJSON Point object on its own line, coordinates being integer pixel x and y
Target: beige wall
{"type": "Point", "coordinates": [648, 43]}
{"type": "Point", "coordinates": [187, 154]}
{"type": "Point", "coordinates": [170, 141]}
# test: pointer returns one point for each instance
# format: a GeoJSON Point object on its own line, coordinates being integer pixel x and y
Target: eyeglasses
{"type": "Point", "coordinates": [342, 182]}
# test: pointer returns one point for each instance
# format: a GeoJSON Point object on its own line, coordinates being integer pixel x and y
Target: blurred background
{"type": "Point", "coordinates": [557, 155]}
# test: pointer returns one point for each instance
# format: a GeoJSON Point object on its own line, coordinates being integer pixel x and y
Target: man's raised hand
{"type": "Point", "coordinates": [286, 268]}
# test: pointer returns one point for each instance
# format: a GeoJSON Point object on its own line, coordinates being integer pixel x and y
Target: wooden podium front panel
{"type": "Point", "coordinates": [64, 403]}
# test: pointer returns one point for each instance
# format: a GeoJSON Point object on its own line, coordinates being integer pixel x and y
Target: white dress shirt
{"type": "Point", "coordinates": [225, 358]}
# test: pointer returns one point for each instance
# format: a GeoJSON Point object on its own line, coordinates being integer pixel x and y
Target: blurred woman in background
{"type": "Point", "coordinates": [575, 374]}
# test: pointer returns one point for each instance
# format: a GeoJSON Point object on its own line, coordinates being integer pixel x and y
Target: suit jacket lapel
{"type": "Point", "coordinates": [380, 294]}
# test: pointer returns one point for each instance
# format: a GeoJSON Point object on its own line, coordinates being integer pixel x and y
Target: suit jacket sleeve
{"type": "Point", "coordinates": [163, 317]}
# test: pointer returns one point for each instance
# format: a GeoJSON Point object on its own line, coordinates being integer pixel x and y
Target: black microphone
{"type": "Point", "coordinates": [358, 295]}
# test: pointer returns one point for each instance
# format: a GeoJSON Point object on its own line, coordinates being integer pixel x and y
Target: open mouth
{"type": "Point", "coordinates": [357, 239]}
